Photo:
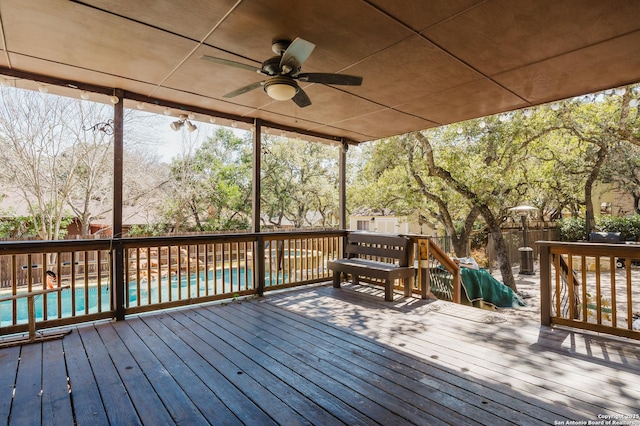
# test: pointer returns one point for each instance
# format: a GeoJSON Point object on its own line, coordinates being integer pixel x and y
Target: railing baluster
{"type": "Point", "coordinates": [558, 285]}
{"type": "Point", "coordinates": [98, 282]}
{"type": "Point", "coordinates": [86, 283]}
{"type": "Point", "coordinates": [73, 283]}
{"type": "Point", "coordinates": [629, 295]}
{"type": "Point", "coordinates": [43, 277]}
{"type": "Point", "coordinates": [614, 313]}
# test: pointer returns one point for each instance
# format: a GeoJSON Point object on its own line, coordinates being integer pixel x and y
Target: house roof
{"type": "Point", "coordinates": [424, 63]}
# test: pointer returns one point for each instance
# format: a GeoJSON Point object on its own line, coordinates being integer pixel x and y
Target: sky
{"type": "Point", "coordinates": [171, 144]}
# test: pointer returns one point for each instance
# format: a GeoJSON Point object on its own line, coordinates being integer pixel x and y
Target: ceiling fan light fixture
{"type": "Point", "coordinates": [281, 88]}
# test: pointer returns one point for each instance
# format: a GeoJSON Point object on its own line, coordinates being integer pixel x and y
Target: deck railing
{"type": "Point", "coordinates": [590, 286]}
{"type": "Point", "coordinates": [159, 272]}
{"type": "Point", "coordinates": [434, 269]}
{"type": "Point", "coordinates": [83, 265]}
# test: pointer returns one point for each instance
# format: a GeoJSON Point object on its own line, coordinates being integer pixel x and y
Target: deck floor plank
{"type": "Point", "coordinates": [188, 381]}
{"type": "Point", "coordinates": [145, 399]}
{"type": "Point", "coordinates": [85, 395]}
{"type": "Point", "coordinates": [288, 394]}
{"type": "Point", "coordinates": [293, 367]}
{"type": "Point", "coordinates": [319, 355]}
{"type": "Point", "coordinates": [56, 403]}
{"type": "Point", "coordinates": [456, 380]}
{"type": "Point", "coordinates": [258, 389]}
{"type": "Point", "coordinates": [113, 393]}
{"type": "Point", "coordinates": [170, 394]}
{"type": "Point", "coordinates": [9, 358]}
{"type": "Point", "coordinates": [27, 401]}
{"type": "Point", "coordinates": [246, 411]}
{"type": "Point", "coordinates": [395, 367]}
{"type": "Point", "coordinates": [429, 341]}
{"type": "Point", "coordinates": [501, 365]}
{"type": "Point", "coordinates": [384, 389]}
{"type": "Point", "coordinates": [385, 408]}
{"type": "Point", "coordinates": [283, 365]}
{"type": "Point", "coordinates": [252, 390]}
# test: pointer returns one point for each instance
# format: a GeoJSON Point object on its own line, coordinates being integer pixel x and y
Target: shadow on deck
{"type": "Point", "coordinates": [320, 355]}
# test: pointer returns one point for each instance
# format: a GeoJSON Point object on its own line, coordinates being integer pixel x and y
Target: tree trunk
{"type": "Point", "coordinates": [588, 190]}
{"type": "Point", "coordinates": [500, 247]}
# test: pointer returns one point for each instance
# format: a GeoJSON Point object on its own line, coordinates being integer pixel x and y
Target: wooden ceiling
{"type": "Point", "coordinates": [425, 63]}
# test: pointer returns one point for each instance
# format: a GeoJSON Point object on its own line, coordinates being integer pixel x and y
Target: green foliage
{"type": "Point", "coordinates": [572, 229]}
{"type": "Point", "coordinates": [212, 188]}
{"type": "Point", "coordinates": [299, 183]}
{"type": "Point", "coordinates": [628, 227]}
{"type": "Point", "coordinates": [16, 226]}
{"type": "Point", "coordinates": [152, 230]}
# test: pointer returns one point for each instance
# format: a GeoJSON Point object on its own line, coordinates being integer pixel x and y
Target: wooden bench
{"type": "Point", "coordinates": [359, 250]}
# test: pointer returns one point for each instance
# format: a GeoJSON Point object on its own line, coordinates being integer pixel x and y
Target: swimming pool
{"type": "Point", "coordinates": [227, 281]}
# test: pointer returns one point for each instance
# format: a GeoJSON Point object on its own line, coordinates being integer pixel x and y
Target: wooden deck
{"type": "Point", "coordinates": [322, 356]}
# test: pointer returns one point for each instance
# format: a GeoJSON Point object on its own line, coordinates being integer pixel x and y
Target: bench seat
{"type": "Point", "coordinates": [376, 245]}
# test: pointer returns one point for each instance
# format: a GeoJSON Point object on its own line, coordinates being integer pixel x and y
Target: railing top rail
{"type": "Point", "coordinates": [38, 246]}
{"type": "Point", "coordinates": [35, 246]}
{"type": "Point", "coordinates": [590, 249]}
{"type": "Point", "coordinates": [285, 234]}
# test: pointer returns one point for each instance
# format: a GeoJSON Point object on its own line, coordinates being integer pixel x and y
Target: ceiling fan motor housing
{"type": "Point", "coordinates": [279, 46]}
{"type": "Point", "coordinates": [271, 66]}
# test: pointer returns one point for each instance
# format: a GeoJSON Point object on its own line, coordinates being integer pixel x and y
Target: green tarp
{"type": "Point", "coordinates": [478, 285]}
{"type": "Point", "coordinates": [481, 285]}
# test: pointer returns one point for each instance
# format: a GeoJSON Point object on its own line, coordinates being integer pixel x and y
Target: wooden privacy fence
{"type": "Point", "coordinates": [514, 240]}
{"type": "Point", "coordinates": [21, 267]}
{"type": "Point", "coordinates": [581, 287]}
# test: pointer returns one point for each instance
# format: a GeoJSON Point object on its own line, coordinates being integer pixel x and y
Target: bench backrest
{"type": "Point", "coordinates": [362, 244]}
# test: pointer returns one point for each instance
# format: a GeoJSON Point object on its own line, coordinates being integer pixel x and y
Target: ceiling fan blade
{"type": "Point", "coordinates": [244, 89]}
{"type": "Point", "coordinates": [327, 78]}
{"type": "Point", "coordinates": [301, 99]}
{"type": "Point", "coordinates": [229, 63]}
{"type": "Point", "coordinates": [297, 52]}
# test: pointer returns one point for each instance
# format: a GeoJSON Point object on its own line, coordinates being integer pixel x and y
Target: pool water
{"type": "Point", "coordinates": [153, 292]}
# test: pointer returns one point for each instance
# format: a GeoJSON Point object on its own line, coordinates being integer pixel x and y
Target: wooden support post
{"type": "Point", "coordinates": [117, 280]}
{"type": "Point", "coordinates": [259, 266]}
{"type": "Point", "coordinates": [31, 308]}
{"type": "Point", "coordinates": [342, 188]}
{"type": "Point", "coordinates": [545, 285]}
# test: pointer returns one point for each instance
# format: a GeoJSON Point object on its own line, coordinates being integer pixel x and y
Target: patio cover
{"type": "Point", "coordinates": [425, 63]}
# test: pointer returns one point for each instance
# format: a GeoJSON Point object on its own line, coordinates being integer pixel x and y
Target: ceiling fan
{"type": "Point", "coordinates": [284, 72]}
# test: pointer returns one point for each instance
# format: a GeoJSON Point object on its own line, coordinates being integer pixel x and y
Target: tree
{"type": "Point", "coordinates": [58, 152]}
{"type": "Point", "coordinates": [389, 181]}
{"type": "Point", "coordinates": [485, 164]}
{"type": "Point", "coordinates": [299, 180]}
{"type": "Point", "coordinates": [599, 124]}
{"type": "Point", "coordinates": [623, 171]}
{"type": "Point", "coordinates": [623, 166]}
{"type": "Point", "coordinates": [211, 189]}
{"type": "Point", "coordinates": [34, 131]}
